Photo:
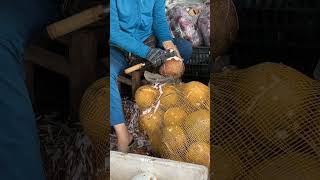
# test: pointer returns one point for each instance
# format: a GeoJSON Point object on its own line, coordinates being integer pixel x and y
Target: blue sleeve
{"type": "Point", "coordinates": [20, 156]}
{"type": "Point", "coordinates": [160, 23]}
{"type": "Point", "coordinates": [20, 20]}
{"type": "Point", "coordinates": [122, 39]}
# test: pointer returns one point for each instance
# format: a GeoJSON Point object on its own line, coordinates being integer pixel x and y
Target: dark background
{"type": "Point", "coordinates": [52, 89]}
{"type": "Point", "coordinates": [285, 31]}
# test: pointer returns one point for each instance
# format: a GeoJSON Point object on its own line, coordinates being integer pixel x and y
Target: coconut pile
{"type": "Point", "coordinates": [176, 120]}
{"type": "Point", "coordinates": [67, 152]}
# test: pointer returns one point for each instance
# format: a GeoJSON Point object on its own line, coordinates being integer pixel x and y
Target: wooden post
{"type": "Point", "coordinates": [83, 67]}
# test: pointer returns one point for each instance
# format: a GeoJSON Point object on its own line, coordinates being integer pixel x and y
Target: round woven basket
{"type": "Point", "coordinates": [94, 117]}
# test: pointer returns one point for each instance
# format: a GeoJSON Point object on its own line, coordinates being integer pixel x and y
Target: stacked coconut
{"type": "Point", "coordinates": [94, 117]}
{"type": "Point", "coordinates": [266, 124]}
{"type": "Point", "coordinates": [176, 119]}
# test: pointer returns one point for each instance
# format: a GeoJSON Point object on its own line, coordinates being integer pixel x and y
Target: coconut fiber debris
{"type": "Point", "coordinates": [67, 152]}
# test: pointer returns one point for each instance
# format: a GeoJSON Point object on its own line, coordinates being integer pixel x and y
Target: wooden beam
{"type": "Point", "coordinates": [49, 60]}
{"type": "Point", "coordinates": [65, 40]}
{"type": "Point", "coordinates": [125, 80]}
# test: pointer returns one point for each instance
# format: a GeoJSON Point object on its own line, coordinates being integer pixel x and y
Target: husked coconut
{"type": "Point", "coordinates": [173, 67]}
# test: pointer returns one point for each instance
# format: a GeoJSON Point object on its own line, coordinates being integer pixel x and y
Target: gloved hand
{"type": "Point", "coordinates": [157, 56]}
{"type": "Point", "coordinates": [167, 45]}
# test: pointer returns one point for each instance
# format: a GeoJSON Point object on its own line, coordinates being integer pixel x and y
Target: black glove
{"type": "Point", "coordinates": [157, 56]}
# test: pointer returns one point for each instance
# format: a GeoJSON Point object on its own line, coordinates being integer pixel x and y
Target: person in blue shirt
{"type": "Point", "coordinates": [131, 23]}
{"type": "Point", "coordinates": [20, 155]}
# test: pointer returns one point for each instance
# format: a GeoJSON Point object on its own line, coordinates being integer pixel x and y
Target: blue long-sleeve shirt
{"type": "Point", "coordinates": [20, 156]}
{"type": "Point", "coordinates": [133, 21]}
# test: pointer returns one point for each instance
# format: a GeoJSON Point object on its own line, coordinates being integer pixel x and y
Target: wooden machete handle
{"type": "Point", "coordinates": [134, 68]}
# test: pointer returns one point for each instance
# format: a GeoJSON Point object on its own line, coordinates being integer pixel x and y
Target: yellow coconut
{"type": "Point", "coordinates": [269, 96]}
{"type": "Point", "coordinates": [169, 97]}
{"type": "Point", "coordinates": [155, 142]}
{"type": "Point", "coordinates": [224, 165]}
{"type": "Point", "coordinates": [292, 166]}
{"type": "Point", "coordinates": [151, 122]}
{"type": "Point", "coordinates": [196, 93]}
{"type": "Point", "coordinates": [197, 126]}
{"type": "Point", "coordinates": [174, 116]}
{"type": "Point", "coordinates": [174, 138]}
{"type": "Point", "coordinates": [172, 155]}
{"type": "Point", "coordinates": [173, 67]}
{"type": "Point", "coordinates": [199, 153]}
{"type": "Point", "coordinates": [145, 96]}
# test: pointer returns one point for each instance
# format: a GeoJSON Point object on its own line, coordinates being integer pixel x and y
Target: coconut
{"type": "Point", "coordinates": [293, 166]}
{"type": "Point", "coordinates": [197, 126]}
{"type": "Point", "coordinates": [174, 116]}
{"type": "Point", "coordinates": [151, 122]}
{"type": "Point", "coordinates": [94, 111]}
{"type": "Point", "coordinates": [172, 67]}
{"type": "Point", "coordinates": [155, 142]}
{"type": "Point", "coordinates": [172, 155]}
{"type": "Point", "coordinates": [173, 138]}
{"type": "Point", "coordinates": [169, 97]}
{"type": "Point", "coordinates": [196, 93]}
{"type": "Point", "coordinates": [224, 166]}
{"type": "Point", "coordinates": [175, 157]}
{"type": "Point", "coordinates": [145, 96]}
{"type": "Point", "coordinates": [272, 98]}
{"type": "Point", "coordinates": [199, 153]}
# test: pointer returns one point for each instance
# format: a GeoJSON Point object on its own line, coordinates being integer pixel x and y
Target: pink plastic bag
{"type": "Point", "coordinates": [204, 25]}
{"type": "Point", "coordinates": [183, 22]}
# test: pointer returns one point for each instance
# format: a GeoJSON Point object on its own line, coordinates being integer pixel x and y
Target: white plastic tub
{"type": "Point", "coordinates": [125, 166]}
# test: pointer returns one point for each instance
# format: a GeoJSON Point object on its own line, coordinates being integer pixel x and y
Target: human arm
{"type": "Point", "coordinates": [161, 28]}
{"type": "Point", "coordinates": [120, 38]}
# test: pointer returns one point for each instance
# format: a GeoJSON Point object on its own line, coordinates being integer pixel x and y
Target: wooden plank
{"type": "Point", "coordinates": [49, 60]}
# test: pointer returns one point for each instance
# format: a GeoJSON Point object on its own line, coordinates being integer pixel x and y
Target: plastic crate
{"type": "Point", "coordinates": [125, 166]}
{"type": "Point", "coordinates": [200, 55]}
{"type": "Point", "coordinates": [198, 68]}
